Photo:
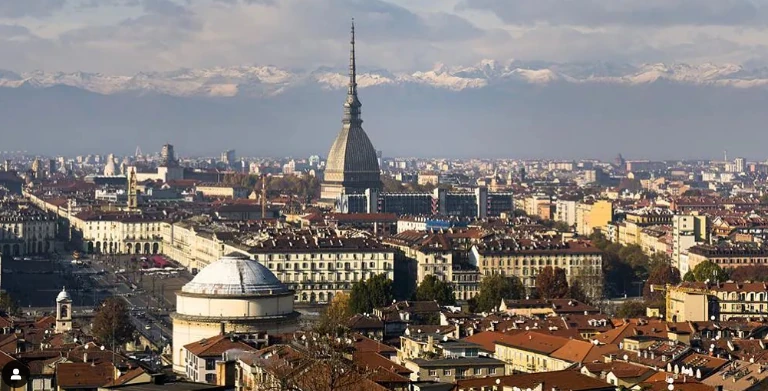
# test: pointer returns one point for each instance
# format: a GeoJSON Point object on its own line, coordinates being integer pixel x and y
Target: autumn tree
{"type": "Point", "coordinates": [433, 289]}
{"type": "Point", "coordinates": [662, 275]}
{"type": "Point", "coordinates": [334, 320]}
{"type": "Point", "coordinates": [495, 288]}
{"type": "Point", "coordinates": [576, 292]}
{"type": "Point", "coordinates": [551, 283]}
{"type": "Point", "coordinates": [8, 305]}
{"type": "Point", "coordinates": [631, 309]}
{"type": "Point", "coordinates": [658, 259]}
{"type": "Point", "coordinates": [112, 324]}
{"type": "Point", "coordinates": [749, 273]}
{"type": "Point", "coordinates": [371, 293]}
{"type": "Point", "coordinates": [313, 362]}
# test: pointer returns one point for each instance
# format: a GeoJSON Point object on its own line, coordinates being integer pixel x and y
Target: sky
{"type": "Point", "coordinates": [125, 37]}
{"type": "Point", "coordinates": [130, 36]}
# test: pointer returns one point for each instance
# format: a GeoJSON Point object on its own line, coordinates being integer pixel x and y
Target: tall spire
{"type": "Point", "coordinates": [352, 104]}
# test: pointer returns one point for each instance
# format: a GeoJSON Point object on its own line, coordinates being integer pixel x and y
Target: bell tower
{"type": "Point", "coordinates": [63, 311]}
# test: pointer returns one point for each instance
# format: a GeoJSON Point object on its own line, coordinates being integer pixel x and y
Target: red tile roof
{"type": "Point", "coordinates": [561, 380]}
{"type": "Point", "coordinates": [214, 347]}
{"type": "Point", "coordinates": [83, 375]}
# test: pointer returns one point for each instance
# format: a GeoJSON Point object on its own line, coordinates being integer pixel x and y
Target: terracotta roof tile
{"type": "Point", "coordinates": [83, 375]}
{"type": "Point", "coordinates": [561, 380]}
{"type": "Point", "coordinates": [214, 347]}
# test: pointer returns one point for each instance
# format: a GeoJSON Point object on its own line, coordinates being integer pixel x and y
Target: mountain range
{"type": "Point", "coordinates": [492, 109]}
{"type": "Point", "coordinates": [265, 81]}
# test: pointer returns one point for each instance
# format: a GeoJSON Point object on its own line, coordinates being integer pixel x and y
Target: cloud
{"type": "Point", "coordinates": [13, 31]}
{"type": "Point", "coordinates": [128, 36]}
{"type": "Point", "coordinates": [32, 8]}
{"type": "Point", "coordinates": [625, 12]}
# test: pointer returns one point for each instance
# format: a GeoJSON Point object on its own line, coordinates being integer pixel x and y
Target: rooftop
{"type": "Point", "coordinates": [233, 276]}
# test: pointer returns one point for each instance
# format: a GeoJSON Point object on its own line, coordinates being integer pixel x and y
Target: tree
{"type": "Point", "coordinates": [631, 309]}
{"type": "Point", "coordinates": [334, 320]}
{"type": "Point", "coordinates": [551, 283]}
{"type": "Point", "coordinates": [658, 259]}
{"type": "Point", "coordinates": [8, 305]}
{"type": "Point", "coordinates": [495, 288]}
{"type": "Point", "coordinates": [576, 292]}
{"type": "Point", "coordinates": [314, 362]}
{"type": "Point", "coordinates": [431, 288]}
{"type": "Point", "coordinates": [749, 273]}
{"type": "Point", "coordinates": [710, 271]}
{"type": "Point", "coordinates": [112, 323]}
{"type": "Point", "coordinates": [662, 275]}
{"type": "Point", "coordinates": [371, 293]}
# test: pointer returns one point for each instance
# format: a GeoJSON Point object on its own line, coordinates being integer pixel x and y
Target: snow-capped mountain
{"type": "Point", "coordinates": [271, 80]}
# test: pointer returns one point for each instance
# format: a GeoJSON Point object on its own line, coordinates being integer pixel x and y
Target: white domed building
{"type": "Point", "coordinates": [233, 294]}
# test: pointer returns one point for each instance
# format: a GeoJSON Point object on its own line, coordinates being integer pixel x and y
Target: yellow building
{"type": "Point", "coordinates": [592, 215]}
{"type": "Point", "coordinates": [538, 352]}
{"type": "Point", "coordinates": [699, 302]}
{"type": "Point", "coordinates": [220, 190]}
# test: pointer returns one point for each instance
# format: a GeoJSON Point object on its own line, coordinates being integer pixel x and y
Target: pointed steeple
{"type": "Point", "coordinates": [352, 104]}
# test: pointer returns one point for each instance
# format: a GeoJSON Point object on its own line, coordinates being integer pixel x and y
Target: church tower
{"type": "Point", "coordinates": [133, 193]}
{"type": "Point", "coordinates": [63, 311]}
{"type": "Point", "coordinates": [353, 165]}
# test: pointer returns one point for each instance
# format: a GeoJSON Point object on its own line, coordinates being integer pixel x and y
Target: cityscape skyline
{"type": "Point", "coordinates": [565, 220]}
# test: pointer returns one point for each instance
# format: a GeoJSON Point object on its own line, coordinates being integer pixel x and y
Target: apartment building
{"type": "Point", "coordinates": [539, 352]}
{"type": "Point", "coordinates": [525, 259]}
{"type": "Point", "coordinates": [593, 215]}
{"type": "Point", "coordinates": [316, 264]}
{"type": "Point", "coordinates": [436, 254]}
{"type": "Point", "coordinates": [25, 229]}
{"type": "Point", "coordinates": [728, 255]}
{"type": "Point", "coordinates": [687, 231]}
{"type": "Point", "coordinates": [118, 232]}
{"type": "Point", "coordinates": [692, 302]}
{"type": "Point", "coordinates": [220, 190]}
{"type": "Point", "coordinates": [565, 211]}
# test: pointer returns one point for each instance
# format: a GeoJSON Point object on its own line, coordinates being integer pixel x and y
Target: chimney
{"type": "Point", "coordinates": [223, 328]}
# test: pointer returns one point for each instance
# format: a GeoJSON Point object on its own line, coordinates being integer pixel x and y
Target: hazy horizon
{"type": "Point", "coordinates": [579, 93]}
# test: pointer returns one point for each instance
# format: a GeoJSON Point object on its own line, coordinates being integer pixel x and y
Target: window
{"type": "Point", "coordinates": [210, 364]}
{"type": "Point", "coordinates": [478, 371]}
{"type": "Point", "coordinates": [491, 371]}
{"type": "Point", "coordinates": [432, 372]}
{"type": "Point", "coordinates": [210, 378]}
{"type": "Point", "coordinates": [446, 372]}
